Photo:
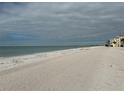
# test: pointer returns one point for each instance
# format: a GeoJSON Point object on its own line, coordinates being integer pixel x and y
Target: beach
{"type": "Point", "coordinates": [85, 68]}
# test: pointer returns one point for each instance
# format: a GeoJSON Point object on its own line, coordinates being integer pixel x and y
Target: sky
{"type": "Point", "coordinates": [60, 23]}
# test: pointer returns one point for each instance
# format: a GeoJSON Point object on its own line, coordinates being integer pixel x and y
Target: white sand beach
{"type": "Point", "coordinates": [89, 68]}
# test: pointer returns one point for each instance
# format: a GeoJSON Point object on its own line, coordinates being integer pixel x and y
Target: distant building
{"type": "Point", "coordinates": [116, 42]}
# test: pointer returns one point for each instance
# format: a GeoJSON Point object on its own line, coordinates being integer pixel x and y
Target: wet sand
{"type": "Point", "coordinates": [93, 68]}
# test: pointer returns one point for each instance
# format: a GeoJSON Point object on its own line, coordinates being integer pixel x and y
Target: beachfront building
{"type": "Point", "coordinates": [116, 42]}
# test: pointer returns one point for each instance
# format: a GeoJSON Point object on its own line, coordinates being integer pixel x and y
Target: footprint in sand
{"type": "Point", "coordinates": [1, 63]}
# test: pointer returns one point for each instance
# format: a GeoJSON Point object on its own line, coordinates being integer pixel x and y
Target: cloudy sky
{"type": "Point", "coordinates": [60, 23]}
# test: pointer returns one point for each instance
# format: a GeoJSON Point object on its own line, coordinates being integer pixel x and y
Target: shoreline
{"type": "Point", "coordinates": [7, 63]}
{"type": "Point", "coordinates": [17, 50]}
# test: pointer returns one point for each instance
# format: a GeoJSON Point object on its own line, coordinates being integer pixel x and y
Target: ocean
{"type": "Point", "coordinates": [8, 51]}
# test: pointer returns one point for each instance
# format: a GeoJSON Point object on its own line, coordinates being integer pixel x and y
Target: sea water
{"type": "Point", "coordinates": [8, 51]}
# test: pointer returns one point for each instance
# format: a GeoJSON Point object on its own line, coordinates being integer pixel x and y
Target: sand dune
{"type": "Point", "coordinates": [93, 68]}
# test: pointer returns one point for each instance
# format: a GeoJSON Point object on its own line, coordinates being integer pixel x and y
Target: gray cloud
{"type": "Point", "coordinates": [61, 22]}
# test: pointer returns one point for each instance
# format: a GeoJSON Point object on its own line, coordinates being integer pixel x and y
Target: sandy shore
{"type": "Point", "coordinates": [93, 68]}
{"type": "Point", "coordinates": [12, 62]}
